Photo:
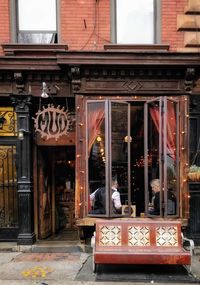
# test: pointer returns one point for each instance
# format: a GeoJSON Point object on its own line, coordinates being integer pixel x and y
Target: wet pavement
{"type": "Point", "coordinates": [76, 268]}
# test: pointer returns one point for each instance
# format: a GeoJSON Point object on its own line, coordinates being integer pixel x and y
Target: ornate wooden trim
{"type": "Point", "coordinates": [189, 79]}
{"type": "Point", "coordinates": [19, 82]}
{"type": "Point", "coordinates": [128, 86]}
{"type": "Point", "coordinates": [75, 77]}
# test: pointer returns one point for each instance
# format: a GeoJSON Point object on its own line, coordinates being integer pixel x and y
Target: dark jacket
{"type": "Point", "coordinates": [171, 204]}
{"type": "Point", "coordinates": [99, 206]}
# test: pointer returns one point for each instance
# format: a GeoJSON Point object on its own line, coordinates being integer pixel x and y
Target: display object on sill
{"type": "Point", "coordinates": [125, 210]}
{"type": "Point", "coordinates": [194, 173]}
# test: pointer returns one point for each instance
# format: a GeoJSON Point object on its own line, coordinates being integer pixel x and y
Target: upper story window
{"type": "Point", "coordinates": [135, 22]}
{"type": "Point", "coordinates": [37, 21]}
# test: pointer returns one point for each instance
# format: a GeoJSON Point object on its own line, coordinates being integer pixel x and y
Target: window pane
{"type": "Point", "coordinates": [96, 157]}
{"type": "Point", "coordinates": [135, 21]}
{"type": "Point", "coordinates": [137, 157]}
{"type": "Point", "coordinates": [154, 193]}
{"type": "Point", "coordinates": [37, 38]}
{"type": "Point", "coordinates": [119, 154]}
{"type": "Point", "coordinates": [37, 15]}
{"type": "Point", "coordinates": [171, 160]}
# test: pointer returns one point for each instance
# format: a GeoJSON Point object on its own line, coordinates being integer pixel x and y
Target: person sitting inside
{"type": "Point", "coordinates": [171, 199]}
{"type": "Point", "coordinates": [98, 199]}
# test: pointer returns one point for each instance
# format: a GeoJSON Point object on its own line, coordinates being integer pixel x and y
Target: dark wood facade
{"type": "Point", "coordinates": [112, 74]}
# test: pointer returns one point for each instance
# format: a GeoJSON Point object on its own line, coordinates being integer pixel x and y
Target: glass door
{"type": "Point", "coordinates": [153, 156]}
{"type": "Point", "coordinates": [161, 157]}
{"type": "Point", "coordinates": [171, 154]}
{"type": "Point", "coordinates": [108, 157]}
{"type": "Point", "coordinates": [119, 150]}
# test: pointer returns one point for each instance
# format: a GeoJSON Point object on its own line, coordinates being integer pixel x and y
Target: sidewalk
{"type": "Point", "coordinates": [59, 269]}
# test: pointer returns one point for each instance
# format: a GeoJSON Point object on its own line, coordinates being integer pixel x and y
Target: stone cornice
{"type": "Point", "coordinates": [58, 59]}
{"type": "Point", "coordinates": [128, 58]}
{"type": "Point", "coordinates": [27, 49]}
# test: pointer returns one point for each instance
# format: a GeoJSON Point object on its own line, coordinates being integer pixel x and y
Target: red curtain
{"type": "Point", "coordinates": [96, 116]}
{"type": "Point", "coordinates": [171, 127]}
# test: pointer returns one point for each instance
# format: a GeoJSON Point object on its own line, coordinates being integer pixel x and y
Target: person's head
{"type": "Point", "coordinates": [114, 182]}
{"type": "Point", "coordinates": [155, 185]}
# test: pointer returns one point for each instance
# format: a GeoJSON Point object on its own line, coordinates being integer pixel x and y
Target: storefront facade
{"type": "Point", "coordinates": [107, 113]}
{"type": "Point", "coordinates": [84, 99]}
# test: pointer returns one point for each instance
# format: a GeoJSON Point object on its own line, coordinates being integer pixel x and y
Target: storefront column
{"type": "Point", "coordinates": [26, 235]}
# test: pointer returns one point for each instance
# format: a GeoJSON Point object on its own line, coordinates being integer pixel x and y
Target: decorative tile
{"type": "Point", "coordinates": [138, 236]}
{"type": "Point", "coordinates": [166, 236]}
{"type": "Point", "coordinates": [110, 235]}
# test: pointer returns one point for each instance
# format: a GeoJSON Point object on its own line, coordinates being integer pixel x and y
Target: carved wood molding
{"type": "Point", "coordinates": [75, 74]}
{"type": "Point", "coordinates": [19, 82]}
{"type": "Point", "coordinates": [21, 102]}
{"type": "Point", "coordinates": [133, 72]}
{"type": "Point", "coordinates": [189, 79]}
{"type": "Point", "coordinates": [131, 86]}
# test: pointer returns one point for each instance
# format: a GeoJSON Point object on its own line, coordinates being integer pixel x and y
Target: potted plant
{"type": "Point", "coordinates": [194, 173]}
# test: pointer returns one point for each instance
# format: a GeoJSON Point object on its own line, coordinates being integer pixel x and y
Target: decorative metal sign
{"type": "Point", "coordinates": [54, 122]}
{"type": "Point", "coordinates": [8, 122]}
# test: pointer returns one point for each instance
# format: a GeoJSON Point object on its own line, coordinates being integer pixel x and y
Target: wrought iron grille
{"type": "Point", "coordinates": [8, 187]}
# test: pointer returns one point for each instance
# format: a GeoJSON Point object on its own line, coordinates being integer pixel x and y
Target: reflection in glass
{"type": "Point", "coordinates": [135, 14]}
{"type": "Point", "coordinates": [96, 156]}
{"type": "Point", "coordinates": [8, 187]}
{"type": "Point", "coordinates": [37, 38]}
{"type": "Point", "coordinates": [37, 21]}
{"type": "Point", "coordinates": [37, 15]}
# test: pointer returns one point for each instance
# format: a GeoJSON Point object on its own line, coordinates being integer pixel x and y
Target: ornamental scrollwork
{"type": "Point", "coordinates": [54, 122]}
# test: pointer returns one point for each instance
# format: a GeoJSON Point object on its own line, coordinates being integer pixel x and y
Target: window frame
{"type": "Point", "coordinates": [108, 153]}
{"type": "Point", "coordinates": [157, 22]}
{"type": "Point", "coordinates": [162, 154]}
{"type": "Point", "coordinates": [14, 23]}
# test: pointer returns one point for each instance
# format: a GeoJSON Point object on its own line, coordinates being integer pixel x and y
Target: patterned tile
{"type": "Point", "coordinates": [166, 236]}
{"type": "Point", "coordinates": [138, 236]}
{"type": "Point", "coordinates": [110, 235]}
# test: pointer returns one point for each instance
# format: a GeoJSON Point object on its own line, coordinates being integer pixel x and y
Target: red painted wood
{"type": "Point", "coordinates": [150, 253]}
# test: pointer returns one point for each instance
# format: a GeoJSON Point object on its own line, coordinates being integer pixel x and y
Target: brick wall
{"type": "Point", "coordinates": [170, 35]}
{"type": "Point", "coordinates": [85, 24]}
{"type": "Point", "coordinates": [4, 23]}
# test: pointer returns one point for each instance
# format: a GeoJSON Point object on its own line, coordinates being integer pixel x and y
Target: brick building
{"type": "Point", "coordinates": [89, 90]}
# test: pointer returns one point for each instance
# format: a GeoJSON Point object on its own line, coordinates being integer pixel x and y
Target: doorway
{"type": "Point", "coordinates": [56, 185]}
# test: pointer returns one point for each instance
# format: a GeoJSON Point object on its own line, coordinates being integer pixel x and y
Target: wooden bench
{"type": "Point", "coordinates": [139, 241]}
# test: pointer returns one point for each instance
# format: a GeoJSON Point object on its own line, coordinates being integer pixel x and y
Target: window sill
{"type": "Point", "coordinates": [22, 49]}
{"type": "Point", "coordinates": [139, 48]}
